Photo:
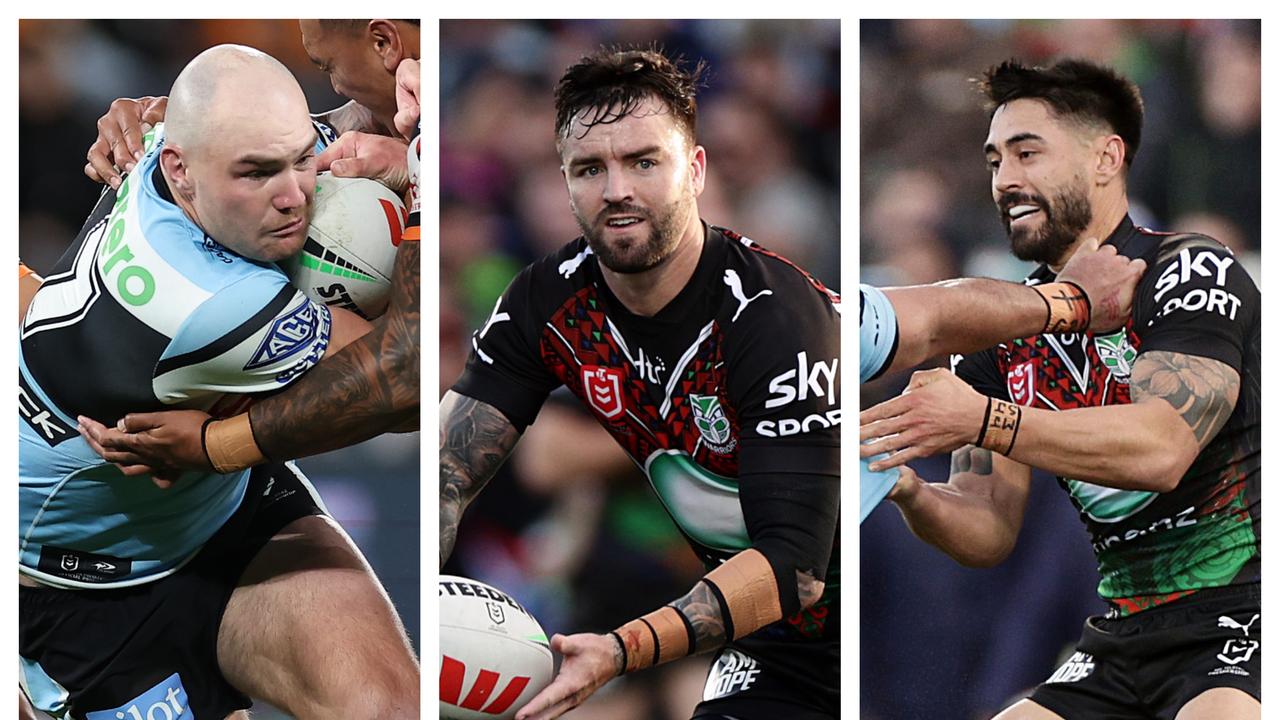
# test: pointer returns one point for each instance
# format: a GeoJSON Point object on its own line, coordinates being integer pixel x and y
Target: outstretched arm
{"type": "Point", "coordinates": [475, 439]}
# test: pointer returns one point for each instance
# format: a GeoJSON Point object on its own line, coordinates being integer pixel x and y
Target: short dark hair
{"type": "Point", "coordinates": [1077, 89]}
{"type": "Point", "coordinates": [613, 82]}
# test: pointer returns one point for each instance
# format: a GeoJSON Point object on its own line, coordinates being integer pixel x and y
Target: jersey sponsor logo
{"type": "Point", "coordinates": [41, 419]}
{"type": "Point", "coordinates": [817, 380]}
{"type": "Point", "coordinates": [1237, 650]}
{"type": "Point", "coordinates": [603, 388]}
{"type": "Point", "coordinates": [570, 266]}
{"type": "Point", "coordinates": [289, 335]}
{"type": "Point", "coordinates": [733, 672]}
{"type": "Point", "coordinates": [1117, 353]}
{"type": "Point", "coordinates": [82, 566]}
{"type": "Point", "coordinates": [215, 249]}
{"type": "Point", "coordinates": [793, 426]}
{"type": "Point", "coordinates": [1206, 263]}
{"type": "Point", "coordinates": [710, 419]}
{"type": "Point", "coordinates": [1022, 383]}
{"type": "Point", "coordinates": [1215, 300]}
{"type": "Point", "coordinates": [165, 701]}
{"type": "Point", "coordinates": [735, 286]}
{"type": "Point", "coordinates": [453, 674]}
{"type": "Point", "coordinates": [1078, 667]}
{"type": "Point", "coordinates": [1127, 503]}
{"type": "Point", "coordinates": [649, 368]}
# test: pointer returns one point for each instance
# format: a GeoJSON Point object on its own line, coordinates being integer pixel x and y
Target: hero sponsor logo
{"type": "Point", "coordinates": [165, 701]}
{"type": "Point", "coordinates": [1204, 264]}
{"type": "Point", "coordinates": [1237, 650]}
{"type": "Point", "coordinates": [135, 283]}
{"type": "Point", "coordinates": [733, 672]}
{"type": "Point", "coordinates": [1078, 667]}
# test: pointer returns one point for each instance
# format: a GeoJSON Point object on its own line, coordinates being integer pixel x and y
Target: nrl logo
{"type": "Point", "coordinates": [711, 421]}
{"type": "Point", "coordinates": [1117, 354]}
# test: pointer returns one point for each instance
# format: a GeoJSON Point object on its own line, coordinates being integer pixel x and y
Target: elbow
{"type": "Point", "coordinates": [981, 559]}
{"type": "Point", "coordinates": [1163, 469]}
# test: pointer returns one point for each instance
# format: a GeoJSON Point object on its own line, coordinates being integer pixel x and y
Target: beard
{"type": "Point", "coordinates": [630, 255]}
{"type": "Point", "coordinates": [1066, 216]}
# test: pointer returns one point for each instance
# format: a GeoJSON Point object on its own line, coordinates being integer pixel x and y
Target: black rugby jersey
{"type": "Point", "coordinates": [737, 376]}
{"type": "Point", "coordinates": [1195, 299]}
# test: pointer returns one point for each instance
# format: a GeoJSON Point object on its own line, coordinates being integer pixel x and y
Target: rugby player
{"type": "Point", "coordinates": [136, 600]}
{"type": "Point", "coordinates": [713, 362]}
{"type": "Point", "coordinates": [1153, 430]}
{"type": "Point", "coordinates": [902, 327]}
{"type": "Point", "coordinates": [369, 387]}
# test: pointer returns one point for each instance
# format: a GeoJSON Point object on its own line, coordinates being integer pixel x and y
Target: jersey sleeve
{"type": "Point", "coordinates": [1196, 300]}
{"type": "Point", "coordinates": [504, 368]}
{"type": "Point", "coordinates": [257, 334]}
{"type": "Point", "coordinates": [877, 333]}
{"type": "Point", "coordinates": [981, 370]}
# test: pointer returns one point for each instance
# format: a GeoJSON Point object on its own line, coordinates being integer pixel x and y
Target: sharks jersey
{"type": "Point", "coordinates": [737, 376]}
{"type": "Point", "coordinates": [144, 312]}
{"type": "Point", "coordinates": [1194, 299]}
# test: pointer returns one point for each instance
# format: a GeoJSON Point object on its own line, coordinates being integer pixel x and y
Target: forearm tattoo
{"type": "Point", "coordinates": [971, 459]}
{"type": "Point", "coordinates": [702, 609]}
{"type": "Point", "coordinates": [475, 439]}
{"type": "Point", "coordinates": [808, 588]}
{"type": "Point", "coordinates": [367, 388]}
{"type": "Point", "coordinates": [1203, 391]}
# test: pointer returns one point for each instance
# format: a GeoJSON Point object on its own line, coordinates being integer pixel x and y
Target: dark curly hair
{"type": "Point", "coordinates": [1077, 89]}
{"type": "Point", "coordinates": [612, 83]}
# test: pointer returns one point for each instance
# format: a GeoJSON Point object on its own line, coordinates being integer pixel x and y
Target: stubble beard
{"type": "Point", "coordinates": [636, 255]}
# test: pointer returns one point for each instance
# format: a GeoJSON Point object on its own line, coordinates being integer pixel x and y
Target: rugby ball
{"type": "Point", "coordinates": [494, 657]}
{"type": "Point", "coordinates": [351, 245]}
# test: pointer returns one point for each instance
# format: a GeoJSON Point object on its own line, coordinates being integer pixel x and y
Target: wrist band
{"type": "Point", "coordinates": [999, 426]}
{"type": "Point", "coordinates": [661, 636]}
{"type": "Point", "coordinates": [229, 444]}
{"type": "Point", "coordinates": [1068, 307]}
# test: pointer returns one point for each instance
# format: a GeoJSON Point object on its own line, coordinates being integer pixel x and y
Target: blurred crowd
{"type": "Point", "coordinates": [570, 526]}
{"type": "Point", "coordinates": [938, 640]}
{"type": "Point", "coordinates": [69, 72]}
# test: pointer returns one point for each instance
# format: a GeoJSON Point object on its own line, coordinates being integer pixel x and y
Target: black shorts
{"type": "Point", "coordinates": [1150, 664]}
{"type": "Point", "coordinates": [102, 652]}
{"type": "Point", "coordinates": [742, 686]}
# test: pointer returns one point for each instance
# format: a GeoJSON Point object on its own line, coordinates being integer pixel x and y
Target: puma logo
{"type": "Point", "coordinates": [735, 286]}
{"type": "Point", "coordinates": [1226, 622]}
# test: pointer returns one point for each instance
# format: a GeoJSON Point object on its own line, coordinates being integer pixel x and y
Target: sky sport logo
{"type": "Point", "coordinates": [165, 701]}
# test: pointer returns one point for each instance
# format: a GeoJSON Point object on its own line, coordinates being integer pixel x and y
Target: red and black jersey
{"type": "Point", "coordinates": [727, 398]}
{"type": "Point", "coordinates": [1195, 299]}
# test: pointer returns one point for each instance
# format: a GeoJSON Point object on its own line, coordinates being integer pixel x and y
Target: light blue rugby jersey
{"type": "Point", "coordinates": [144, 312]}
{"type": "Point", "coordinates": [877, 341]}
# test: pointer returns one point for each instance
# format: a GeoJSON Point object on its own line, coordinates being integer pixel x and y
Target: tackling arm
{"type": "Point", "coordinates": [475, 439]}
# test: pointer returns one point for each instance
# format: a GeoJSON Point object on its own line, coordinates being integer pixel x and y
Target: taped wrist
{"type": "Point", "coordinates": [661, 636]}
{"type": "Point", "coordinates": [229, 444]}
{"type": "Point", "coordinates": [747, 589]}
{"type": "Point", "coordinates": [999, 426]}
{"type": "Point", "coordinates": [1067, 306]}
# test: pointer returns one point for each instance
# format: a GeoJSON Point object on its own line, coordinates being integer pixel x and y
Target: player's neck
{"type": "Point", "coordinates": [646, 293]}
{"type": "Point", "coordinates": [1107, 216]}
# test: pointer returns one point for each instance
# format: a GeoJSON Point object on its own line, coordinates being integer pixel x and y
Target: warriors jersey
{"type": "Point", "coordinates": [736, 378]}
{"type": "Point", "coordinates": [145, 312]}
{"type": "Point", "coordinates": [1195, 299]}
{"type": "Point", "coordinates": [877, 343]}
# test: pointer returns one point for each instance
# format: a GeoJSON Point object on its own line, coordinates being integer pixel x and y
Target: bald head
{"type": "Point", "coordinates": [230, 89]}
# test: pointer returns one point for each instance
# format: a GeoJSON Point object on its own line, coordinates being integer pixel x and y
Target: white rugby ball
{"type": "Point", "coordinates": [494, 657]}
{"type": "Point", "coordinates": [351, 245]}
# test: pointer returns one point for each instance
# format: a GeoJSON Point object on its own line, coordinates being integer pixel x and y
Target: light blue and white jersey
{"type": "Point", "coordinates": [877, 342]}
{"type": "Point", "coordinates": [145, 312]}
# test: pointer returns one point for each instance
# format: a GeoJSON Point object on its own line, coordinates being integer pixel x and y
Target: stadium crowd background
{"type": "Point", "coordinates": [939, 640]}
{"type": "Point", "coordinates": [569, 526]}
{"type": "Point", "coordinates": [69, 72]}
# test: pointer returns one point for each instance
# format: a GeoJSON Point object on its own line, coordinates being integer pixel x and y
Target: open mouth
{"type": "Point", "coordinates": [624, 221]}
{"type": "Point", "coordinates": [1019, 212]}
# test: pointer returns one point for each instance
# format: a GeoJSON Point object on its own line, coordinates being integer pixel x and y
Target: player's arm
{"type": "Point", "coordinates": [976, 515]}
{"type": "Point", "coordinates": [475, 440]}
{"type": "Point", "coordinates": [969, 314]}
{"type": "Point", "coordinates": [352, 116]}
{"type": "Point", "coordinates": [28, 283]}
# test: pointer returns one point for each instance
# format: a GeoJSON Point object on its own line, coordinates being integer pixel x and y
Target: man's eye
{"type": "Point", "coordinates": [1026, 154]}
{"type": "Point", "coordinates": [591, 171]}
{"type": "Point", "coordinates": [646, 164]}
{"type": "Point", "coordinates": [994, 165]}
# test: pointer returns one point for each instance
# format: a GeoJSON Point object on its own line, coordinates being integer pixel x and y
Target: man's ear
{"type": "Point", "coordinates": [387, 43]}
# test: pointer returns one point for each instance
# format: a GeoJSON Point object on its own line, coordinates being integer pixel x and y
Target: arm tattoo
{"type": "Point", "coordinates": [1203, 391]}
{"type": "Point", "coordinates": [808, 588]}
{"type": "Point", "coordinates": [702, 609]}
{"type": "Point", "coordinates": [971, 459]}
{"type": "Point", "coordinates": [369, 387]}
{"type": "Point", "coordinates": [475, 439]}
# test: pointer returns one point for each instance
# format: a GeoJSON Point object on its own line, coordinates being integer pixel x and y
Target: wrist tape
{"type": "Point", "coordinates": [663, 635]}
{"type": "Point", "coordinates": [1067, 305]}
{"type": "Point", "coordinates": [1000, 426]}
{"type": "Point", "coordinates": [229, 444]}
